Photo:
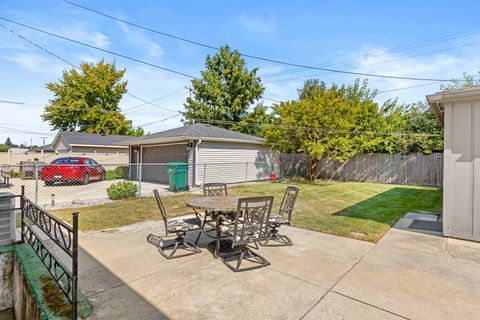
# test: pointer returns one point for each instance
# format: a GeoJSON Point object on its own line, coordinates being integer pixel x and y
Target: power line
{"type": "Point", "coordinates": [78, 68]}
{"type": "Point", "coordinates": [98, 48]}
{"type": "Point", "coordinates": [409, 87]}
{"type": "Point", "coordinates": [161, 120]}
{"type": "Point", "coordinates": [11, 102]}
{"type": "Point", "coordinates": [378, 63]}
{"type": "Point", "coordinates": [389, 51]}
{"type": "Point", "coordinates": [25, 131]}
{"type": "Point", "coordinates": [163, 98]}
{"type": "Point", "coordinates": [248, 55]}
{"type": "Point", "coordinates": [326, 130]}
{"type": "Point", "coordinates": [107, 51]}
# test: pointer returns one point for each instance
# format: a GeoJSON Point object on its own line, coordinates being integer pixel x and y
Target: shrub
{"type": "Point", "coordinates": [117, 173]}
{"type": "Point", "coordinates": [122, 190]}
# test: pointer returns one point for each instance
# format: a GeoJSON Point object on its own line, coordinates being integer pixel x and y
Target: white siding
{"type": "Point", "coordinates": [233, 162]}
{"type": "Point", "coordinates": [461, 205]}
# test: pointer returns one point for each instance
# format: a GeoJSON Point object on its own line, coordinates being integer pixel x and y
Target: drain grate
{"type": "Point", "coordinates": [424, 225]}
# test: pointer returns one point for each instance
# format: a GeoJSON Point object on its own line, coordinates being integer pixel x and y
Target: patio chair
{"type": "Point", "coordinates": [284, 217]}
{"type": "Point", "coordinates": [177, 227]}
{"type": "Point", "coordinates": [210, 190]}
{"type": "Point", "coordinates": [215, 189]}
{"type": "Point", "coordinates": [250, 226]}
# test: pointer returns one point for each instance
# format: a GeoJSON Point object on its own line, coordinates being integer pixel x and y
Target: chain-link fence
{"type": "Point", "coordinates": [70, 182]}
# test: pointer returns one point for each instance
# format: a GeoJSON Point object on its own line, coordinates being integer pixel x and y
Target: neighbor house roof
{"type": "Point", "coordinates": [197, 131]}
{"type": "Point", "coordinates": [75, 139]}
{"type": "Point", "coordinates": [437, 100]}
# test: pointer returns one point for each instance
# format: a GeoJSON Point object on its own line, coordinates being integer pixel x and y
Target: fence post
{"type": "Point", "coordinates": [246, 171]}
{"type": "Point", "coordinates": [139, 172]}
{"type": "Point", "coordinates": [75, 265]}
{"type": "Point", "coordinates": [36, 183]}
{"type": "Point", "coordinates": [22, 213]}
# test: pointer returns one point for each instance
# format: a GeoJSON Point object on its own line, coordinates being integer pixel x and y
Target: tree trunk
{"type": "Point", "coordinates": [313, 169]}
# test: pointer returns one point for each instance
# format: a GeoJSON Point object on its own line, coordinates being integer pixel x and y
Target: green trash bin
{"type": "Point", "coordinates": [177, 176]}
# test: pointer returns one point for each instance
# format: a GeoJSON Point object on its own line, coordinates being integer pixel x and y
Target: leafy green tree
{"type": "Point", "coordinates": [255, 123]}
{"type": "Point", "coordinates": [225, 90]}
{"type": "Point", "coordinates": [87, 100]}
{"type": "Point", "coordinates": [409, 129]}
{"type": "Point", "coordinates": [335, 122]}
{"type": "Point", "coordinates": [469, 82]}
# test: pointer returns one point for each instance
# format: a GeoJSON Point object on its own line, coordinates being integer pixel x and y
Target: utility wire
{"type": "Point", "coordinates": [254, 56]}
{"type": "Point", "coordinates": [25, 131]}
{"type": "Point", "coordinates": [161, 120]}
{"type": "Point", "coordinates": [193, 77]}
{"type": "Point", "coordinates": [12, 102]}
{"type": "Point", "coordinates": [389, 51]}
{"type": "Point", "coordinates": [326, 130]}
{"type": "Point", "coordinates": [78, 68]}
{"type": "Point", "coordinates": [97, 48]}
{"type": "Point", "coordinates": [378, 63]}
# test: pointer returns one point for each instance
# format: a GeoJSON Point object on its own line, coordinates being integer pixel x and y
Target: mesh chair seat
{"type": "Point", "coordinates": [184, 225]}
{"type": "Point", "coordinates": [250, 234]}
{"type": "Point", "coordinates": [277, 219]}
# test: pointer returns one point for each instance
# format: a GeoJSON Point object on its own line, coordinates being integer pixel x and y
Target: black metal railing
{"type": "Point", "coordinates": [35, 224]}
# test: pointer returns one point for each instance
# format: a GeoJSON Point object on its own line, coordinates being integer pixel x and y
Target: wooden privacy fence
{"type": "Point", "coordinates": [413, 169]}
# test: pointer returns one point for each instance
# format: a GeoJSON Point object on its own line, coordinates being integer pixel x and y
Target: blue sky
{"type": "Point", "coordinates": [366, 33]}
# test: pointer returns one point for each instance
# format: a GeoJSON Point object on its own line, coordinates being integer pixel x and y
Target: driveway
{"type": "Point", "coordinates": [406, 275]}
{"type": "Point", "coordinates": [65, 195]}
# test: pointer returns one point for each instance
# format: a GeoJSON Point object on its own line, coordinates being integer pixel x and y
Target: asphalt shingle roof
{"type": "Point", "coordinates": [68, 138]}
{"type": "Point", "coordinates": [201, 131]}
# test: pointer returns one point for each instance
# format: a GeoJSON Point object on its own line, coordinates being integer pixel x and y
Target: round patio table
{"type": "Point", "coordinates": [214, 203]}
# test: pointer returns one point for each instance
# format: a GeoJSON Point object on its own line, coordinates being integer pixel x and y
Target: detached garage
{"type": "Point", "coordinates": [213, 154]}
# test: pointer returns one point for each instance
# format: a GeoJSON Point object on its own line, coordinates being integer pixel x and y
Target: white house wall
{"type": "Point", "coordinates": [461, 207]}
{"type": "Point", "coordinates": [233, 162]}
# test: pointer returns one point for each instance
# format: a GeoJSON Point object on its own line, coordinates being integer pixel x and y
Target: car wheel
{"type": "Point", "coordinates": [48, 183]}
{"type": "Point", "coordinates": [86, 179]}
{"type": "Point", "coordinates": [104, 177]}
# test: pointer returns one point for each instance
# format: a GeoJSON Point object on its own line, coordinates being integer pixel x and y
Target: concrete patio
{"type": "Point", "coordinates": [407, 275]}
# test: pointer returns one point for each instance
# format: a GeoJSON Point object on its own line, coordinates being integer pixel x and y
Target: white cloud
{"type": "Point", "coordinates": [81, 32]}
{"type": "Point", "coordinates": [438, 66]}
{"type": "Point", "coordinates": [35, 63]}
{"type": "Point", "coordinates": [264, 25]}
{"type": "Point", "coordinates": [141, 41]}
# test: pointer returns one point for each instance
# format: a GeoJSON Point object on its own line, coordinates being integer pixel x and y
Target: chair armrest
{"type": "Point", "coordinates": [195, 212]}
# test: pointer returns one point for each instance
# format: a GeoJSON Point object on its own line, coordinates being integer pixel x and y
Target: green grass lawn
{"type": "Point", "coordinates": [350, 209]}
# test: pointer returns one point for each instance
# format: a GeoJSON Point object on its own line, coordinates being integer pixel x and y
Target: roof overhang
{"type": "Point", "coordinates": [184, 138]}
{"type": "Point", "coordinates": [438, 100]}
{"type": "Point", "coordinates": [97, 146]}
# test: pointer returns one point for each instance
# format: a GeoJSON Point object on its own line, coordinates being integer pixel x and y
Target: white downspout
{"type": "Point", "coordinates": [195, 161]}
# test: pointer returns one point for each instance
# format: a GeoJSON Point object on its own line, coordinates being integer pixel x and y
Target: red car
{"type": "Point", "coordinates": [73, 170]}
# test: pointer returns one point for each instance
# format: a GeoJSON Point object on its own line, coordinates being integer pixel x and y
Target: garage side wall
{"type": "Point", "coordinates": [233, 162]}
{"type": "Point", "coordinates": [461, 207]}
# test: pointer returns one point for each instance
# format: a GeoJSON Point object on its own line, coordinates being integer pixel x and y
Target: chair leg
{"type": "Point", "coordinates": [244, 254]}
{"type": "Point", "coordinates": [178, 241]}
{"type": "Point", "coordinates": [201, 229]}
{"type": "Point", "coordinates": [281, 240]}
{"type": "Point", "coordinates": [240, 259]}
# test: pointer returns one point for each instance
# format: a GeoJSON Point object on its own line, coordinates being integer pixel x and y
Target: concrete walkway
{"type": "Point", "coordinates": [406, 275]}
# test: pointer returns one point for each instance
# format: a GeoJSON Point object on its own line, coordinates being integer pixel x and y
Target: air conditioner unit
{"type": "Point", "coordinates": [7, 218]}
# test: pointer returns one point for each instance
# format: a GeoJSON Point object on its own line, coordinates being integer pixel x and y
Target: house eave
{"type": "Point", "coordinates": [98, 146]}
{"type": "Point", "coordinates": [437, 100]}
{"type": "Point", "coordinates": [187, 138]}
